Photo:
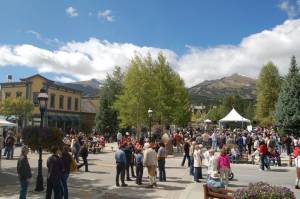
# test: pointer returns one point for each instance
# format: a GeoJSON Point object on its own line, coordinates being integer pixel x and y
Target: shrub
{"type": "Point", "coordinates": [262, 190]}
{"type": "Point", "coordinates": [36, 137]}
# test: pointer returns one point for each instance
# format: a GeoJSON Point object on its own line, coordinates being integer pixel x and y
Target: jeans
{"type": "Point", "coordinates": [10, 152]}
{"type": "Point", "coordinates": [198, 174]}
{"type": "Point", "coordinates": [162, 170]}
{"type": "Point", "coordinates": [192, 166]}
{"type": "Point", "coordinates": [120, 171]}
{"type": "Point", "coordinates": [186, 156]}
{"type": "Point", "coordinates": [23, 190]}
{"type": "Point", "coordinates": [56, 187]}
{"type": "Point", "coordinates": [64, 180]}
{"type": "Point", "coordinates": [214, 145]}
{"type": "Point", "coordinates": [263, 162]}
{"type": "Point", "coordinates": [139, 173]}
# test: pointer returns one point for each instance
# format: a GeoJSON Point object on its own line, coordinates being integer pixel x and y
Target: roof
{"type": "Point", "coordinates": [37, 75]}
{"type": "Point", "coordinates": [234, 116]}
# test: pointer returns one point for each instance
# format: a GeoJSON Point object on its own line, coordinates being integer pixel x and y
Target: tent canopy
{"type": "Point", "coordinates": [3, 122]}
{"type": "Point", "coordinates": [234, 116]}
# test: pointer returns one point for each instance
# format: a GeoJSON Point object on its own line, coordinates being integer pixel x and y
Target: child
{"type": "Point", "coordinates": [139, 166]}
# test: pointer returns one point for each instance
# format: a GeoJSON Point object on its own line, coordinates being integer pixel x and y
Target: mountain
{"type": "Point", "coordinates": [90, 88]}
{"type": "Point", "coordinates": [212, 91]}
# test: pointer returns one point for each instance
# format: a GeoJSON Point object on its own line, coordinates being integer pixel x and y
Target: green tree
{"type": "Point", "coordinates": [19, 107]}
{"type": "Point", "coordinates": [107, 117]}
{"type": "Point", "coordinates": [152, 84]}
{"type": "Point", "coordinates": [267, 90]}
{"type": "Point", "coordinates": [287, 111]}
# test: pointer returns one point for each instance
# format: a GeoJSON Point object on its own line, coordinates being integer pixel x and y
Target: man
{"type": "Point", "coordinates": [197, 163]}
{"type": "Point", "coordinates": [9, 145]}
{"type": "Point", "coordinates": [55, 170]}
{"type": "Point", "coordinates": [186, 148]}
{"type": "Point", "coordinates": [150, 161]}
{"type": "Point", "coordinates": [24, 172]}
{"type": "Point", "coordinates": [119, 137]}
{"type": "Point", "coordinates": [76, 149]}
{"type": "Point", "coordinates": [161, 157]}
{"type": "Point", "coordinates": [128, 153]}
{"type": "Point", "coordinates": [263, 150]}
{"type": "Point", "coordinates": [120, 158]}
{"type": "Point", "coordinates": [84, 154]}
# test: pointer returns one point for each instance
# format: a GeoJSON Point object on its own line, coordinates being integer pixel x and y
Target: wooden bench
{"type": "Point", "coordinates": [222, 193]}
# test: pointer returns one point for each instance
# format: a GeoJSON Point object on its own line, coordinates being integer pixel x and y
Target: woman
{"type": "Point", "coordinates": [224, 166]}
{"type": "Point", "coordinates": [24, 172]}
{"type": "Point", "coordinates": [197, 163]}
{"type": "Point", "coordinates": [66, 160]}
{"type": "Point", "coordinates": [297, 165]}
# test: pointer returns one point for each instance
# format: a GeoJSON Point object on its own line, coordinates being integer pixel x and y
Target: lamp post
{"type": "Point", "coordinates": [43, 99]}
{"type": "Point", "coordinates": [150, 113]}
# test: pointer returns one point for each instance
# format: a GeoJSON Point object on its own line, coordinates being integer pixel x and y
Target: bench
{"type": "Point", "coordinates": [222, 193]}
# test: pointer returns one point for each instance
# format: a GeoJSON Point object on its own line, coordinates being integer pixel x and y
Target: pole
{"type": "Point", "coordinates": [150, 129]}
{"type": "Point", "coordinates": [39, 179]}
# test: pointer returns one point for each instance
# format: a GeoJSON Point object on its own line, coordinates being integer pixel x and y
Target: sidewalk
{"type": "Point", "coordinates": [193, 191]}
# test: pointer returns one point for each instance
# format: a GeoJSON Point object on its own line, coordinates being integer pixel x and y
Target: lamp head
{"type": "Point", "coordinates": [150, 112]}
{"type": "Point", "coordinates": [43, 99]}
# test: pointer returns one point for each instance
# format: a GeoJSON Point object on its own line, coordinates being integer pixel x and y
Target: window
{"type": "Point", "coordinates": [61, 102]}
{"type": "Point", "coordinates": [52, 101]}
{"type": "Point", "coordinates": [18, 94]}
{"type": "Point", "coordinates": [69, 103]}
{"type": "Point", "coordinates": [76, 104]}
{"type": "Point", "coordinates": [7, 95]}
{"type": "Point", "coordinates": [35, 99]}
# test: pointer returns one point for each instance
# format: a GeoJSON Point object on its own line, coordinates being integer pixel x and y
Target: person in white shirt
{"type": "Point", "coordinates": [297, 165]}
{"type": "Point", "coordinates": [212, 166]}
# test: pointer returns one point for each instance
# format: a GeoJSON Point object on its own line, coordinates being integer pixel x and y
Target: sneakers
{"type": "Point", "coordinates": [124, 185]}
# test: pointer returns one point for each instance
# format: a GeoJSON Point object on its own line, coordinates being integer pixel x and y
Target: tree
{"type": "Point", "coordinates": [287, 111]}
{"type": "Point", "coordinates": [19, 107]}
{"type": "Point", "coordinates": [107, 117]}
{"type": "Point", "coordinates": [152, 84]}
{"type": "Point", "coordinates": [267, 90]}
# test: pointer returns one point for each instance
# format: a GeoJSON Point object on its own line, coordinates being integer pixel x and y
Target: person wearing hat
{"type": "Point", "coordinates": [150, 161]}
{"type": "Point", "coordinates": [24, 172]}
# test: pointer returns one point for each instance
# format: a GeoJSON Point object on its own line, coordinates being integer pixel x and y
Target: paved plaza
{"type": "Point", "coordinates": [100, 181]}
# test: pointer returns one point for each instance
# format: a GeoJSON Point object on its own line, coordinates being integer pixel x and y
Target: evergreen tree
{"type": "Point", "coordinates": [267, 90]}
{"type": "Point", "coordinates": [107, 117]}
{"type": "Point", "coordinates": [287, 112]}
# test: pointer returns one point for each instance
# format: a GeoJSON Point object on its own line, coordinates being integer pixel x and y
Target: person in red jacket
{"type": "Point", "coordinates": [263, 150]}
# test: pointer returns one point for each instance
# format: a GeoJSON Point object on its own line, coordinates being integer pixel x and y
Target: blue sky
{"type": "Point", "coordinates": [64, 31]}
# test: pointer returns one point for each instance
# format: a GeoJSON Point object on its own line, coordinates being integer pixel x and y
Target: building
{"type": "Point", "coordinates": [67, 107]}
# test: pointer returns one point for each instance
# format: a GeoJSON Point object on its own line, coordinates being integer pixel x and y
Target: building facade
{"type": "Point", "coordinates": [65, 109]}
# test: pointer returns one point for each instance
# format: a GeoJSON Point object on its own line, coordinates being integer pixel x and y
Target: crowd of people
{"type": "Point", "coordinates": [214, 150]}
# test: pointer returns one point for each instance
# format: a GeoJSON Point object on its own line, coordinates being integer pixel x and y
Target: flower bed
{"type": "Point", "coordinates": [262, 190]}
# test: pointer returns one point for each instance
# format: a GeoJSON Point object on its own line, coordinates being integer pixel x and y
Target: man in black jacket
{"type": "Point", "coordinates": [24, 172]}
{"type": "Point", "coordinates": [55, 170]}
{"type": "Point", "coordinates": [84, 154]}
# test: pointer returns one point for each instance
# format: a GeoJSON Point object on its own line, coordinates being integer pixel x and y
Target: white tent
{"type": "Point", "coordinates": [207, 121]}
{"type": "Point", "coordinates": [4, 122]}
{"type": "Point", "coordinates": [234, 116]}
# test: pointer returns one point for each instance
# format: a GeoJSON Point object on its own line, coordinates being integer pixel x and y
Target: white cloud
{"type": "Point", "coordinates": [291, 10]}
{"type": "Point", "coordinates": [95, 58]}
{"type": "Point", "coordinates": [106, 14]}
{"type": "Point", "coordinates": [72, 12]}
{"type": "Point", "coordinates": [64, 79]}
{"type": "Point", "coordinates": [50, 42]}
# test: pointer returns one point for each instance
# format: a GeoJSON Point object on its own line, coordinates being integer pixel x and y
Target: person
{"type": "Point", "coordinates": [24, 172]}
{"type": "Point", "coordinates": [161, 158]}
{"type": "Point", "coordinates": [128, 152]}
{"type": "Point", "coordinates": [263, 150]}
{"type": "Point", "coordinates": [66, 161]}
{"type": "Point", "coordinates": [150, 161]}
{"type": "Point", "coordinates": [138, 165]}
{"type": "Point", "coordinates": [9, 145]}
{"type": "Point", "coordinates": [120, 158]}
{"type": "Point", "coordinates": [197, 163]}
{"type": "Point", "coordinates": [224, 166]}
{"type": "Point", "coordinates": [214, 181]}
{"type": "Point", "coordinates": [76, 149]}
{"type": "Point", "coordinates": [186, 148]}
{"type": "Point", "coordinates": [84, 154]}
{"type": "Point", "coordinates": [119, 137]}
{"type": "Point", "coordinates": [191, 153]}
{"type": "Point", "coordinates": [214, 140]}
{"type": "Point", "coordinates": [297, 165]}
{"type": "Point", "coordinates": [212, 166]}
{"type": "Point", "coordinates": [55, 170]}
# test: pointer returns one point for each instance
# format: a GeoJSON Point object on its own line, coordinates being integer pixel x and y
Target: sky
{"type": "Point", "coordinates": [66, 40]}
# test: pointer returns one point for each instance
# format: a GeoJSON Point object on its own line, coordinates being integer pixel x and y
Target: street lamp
{"type": "Point", "coordinates": [43, 99]}
{"type": "Point", "coordinates": [150, 113]}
